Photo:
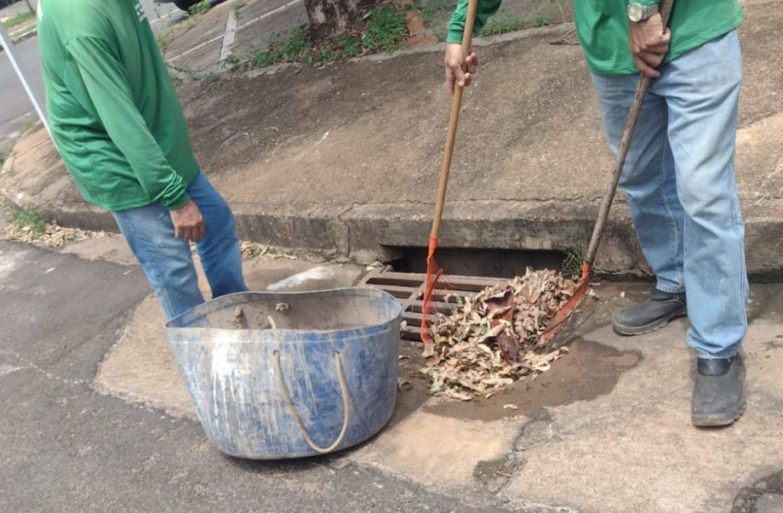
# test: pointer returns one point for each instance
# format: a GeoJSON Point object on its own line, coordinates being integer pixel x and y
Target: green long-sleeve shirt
{"type": "Point", "coordinates": [603, 28]}
{"type": "Point", "coordinates": [114, 113]}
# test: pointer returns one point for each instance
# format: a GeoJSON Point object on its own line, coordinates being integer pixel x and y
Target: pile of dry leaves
{"type": "Point", "coordinates": [50, 235]}
{"type": "Point", "coordinates": [492, 339]}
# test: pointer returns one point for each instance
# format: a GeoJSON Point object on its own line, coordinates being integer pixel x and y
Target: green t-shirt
{"type": "Point", "coordinates": [114, 113]}
{"type": "Point", "coordinates": [603, 28]}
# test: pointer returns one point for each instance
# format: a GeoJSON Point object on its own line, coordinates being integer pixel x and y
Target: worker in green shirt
{"type": "Point", "coordinates": [679, 175]}
{"type": "Point", "coordinates": [118, 124]}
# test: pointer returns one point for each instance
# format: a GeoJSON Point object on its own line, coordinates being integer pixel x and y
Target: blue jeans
{"type": "Point", "coordinates": [168, 262]}
{"type": "Point", "coordinates": [681, 188]}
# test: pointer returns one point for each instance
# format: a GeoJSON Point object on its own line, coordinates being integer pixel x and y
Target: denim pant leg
{"type": "Point", "coordinates": [167, 261]}
{"type": "Point", "coordinates": [702, 90]}
{"type": "Point", "coordinates": [648, 178]}
{"type": "Point", "coordinates": [219, 250]}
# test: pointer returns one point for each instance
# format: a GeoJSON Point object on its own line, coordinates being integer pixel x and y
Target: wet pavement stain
{"type": "Point", "coordinates": [763, 496]}
{"type": "Point", "coordinates": [588, 371]}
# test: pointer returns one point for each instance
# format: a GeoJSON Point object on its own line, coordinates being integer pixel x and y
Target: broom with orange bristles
{"type": "Point", "coordinates": [434, 272]}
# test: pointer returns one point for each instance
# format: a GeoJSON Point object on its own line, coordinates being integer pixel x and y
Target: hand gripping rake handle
{"type": "Point", "coordinates": [622, 152]}
{"type": "Point", "coordinates": [456, 105]}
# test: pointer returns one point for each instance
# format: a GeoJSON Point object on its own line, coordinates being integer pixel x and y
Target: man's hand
{"type": "Point", "coordinates": [649, 44]}
{"type": "Point", "coordinates": [459, 70]}
{"type": "Point", "coordinates": [188, 222]}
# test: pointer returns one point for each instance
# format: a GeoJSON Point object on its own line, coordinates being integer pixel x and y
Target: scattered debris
{"type": "Point", "coordinates": [253, 249]}
{"type": "Point", "coordinates": [510, 407]}
{"type": "Point", "coordinates": [240, 321]}
{"type": "Point", "coordinates": [282, 307]}
{"type": "Point", "coordinates": [49, 234]}
{"type": "Point", "coordinates": [492, 339]}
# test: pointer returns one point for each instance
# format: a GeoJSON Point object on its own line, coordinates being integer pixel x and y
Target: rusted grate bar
{"type": "Point", "coordinates": [408, 288]}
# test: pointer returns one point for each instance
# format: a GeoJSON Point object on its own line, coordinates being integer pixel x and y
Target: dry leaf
{"type": "Point", "coordinates": [485, 344]}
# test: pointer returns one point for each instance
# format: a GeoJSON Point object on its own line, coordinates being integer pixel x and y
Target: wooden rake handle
{"type": "Point", "coordinates": [456, 105]}
{"type": "Point", "coordinates": [622, 152]}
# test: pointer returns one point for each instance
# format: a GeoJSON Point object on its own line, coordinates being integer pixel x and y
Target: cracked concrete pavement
{"type": "Point", "coordinates": [96, 412]}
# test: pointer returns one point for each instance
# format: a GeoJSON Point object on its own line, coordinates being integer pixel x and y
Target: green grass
{"type": "Point", "coordinates": [383, 30]}
{"type": "Point", "coordinates": [541, 20]}
{"type": "Point", "coordinates": [572, 263]}
{"type": "Point", "coordinates": [427, 12]}
{"type": "Point", "coordinates": [18, 19]}
{"type": "Point", "coordinates": [164, 40]}
{"type": "Point", "coordinates": [27, 218]}
{"type": "Point", "coordinates": [200, 8]}
{"type": "Point", "coordinates": [501, 23]}
{"type": "Point", "coordinates": [191, 73]}
{"type": "Point", "coordinates": [295, 47]}
{"type": "Point", "coordinates": [231, 61]}
{"type": "Point", "coordinates": [386, 29]}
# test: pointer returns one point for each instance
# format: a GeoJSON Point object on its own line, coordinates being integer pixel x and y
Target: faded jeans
{"type": "Point", "coordinates": [681, 188]}
{"type": "Point", "coordinates": [168, 262]}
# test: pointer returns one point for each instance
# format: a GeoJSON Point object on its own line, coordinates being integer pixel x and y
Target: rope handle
{"type": "Point", "coordinates": [338, 363]}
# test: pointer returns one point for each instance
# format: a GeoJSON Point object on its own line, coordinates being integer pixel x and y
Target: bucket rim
{"type": "Point", "coordinates": [231, 299]}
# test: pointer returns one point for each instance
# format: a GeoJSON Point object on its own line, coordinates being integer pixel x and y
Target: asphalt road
{"type": "Point", "coordinates": [16, 111]}
{"type": "Point", "coordinates": [15, 108]}
{"type": "Point", "coordinates": [65, 448]}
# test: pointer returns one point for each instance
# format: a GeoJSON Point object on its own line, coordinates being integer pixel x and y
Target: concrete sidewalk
{"type": "Point", "coordinates": [343, 160]}
{"type": "Point", "coordinates": [606, 430]}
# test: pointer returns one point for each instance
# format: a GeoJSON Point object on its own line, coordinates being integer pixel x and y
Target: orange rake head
{"type": "Point", "coordinates": [559, 321]}
{"type": "Point", "coordinates": [434, 273]}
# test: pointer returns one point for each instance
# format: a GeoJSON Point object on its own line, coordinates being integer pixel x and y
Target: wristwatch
{"type": "Point", "coordinates": [639, 12]}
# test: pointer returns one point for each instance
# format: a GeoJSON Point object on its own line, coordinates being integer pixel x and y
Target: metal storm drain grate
{"type": "Point", "coordinates": [408, 288]}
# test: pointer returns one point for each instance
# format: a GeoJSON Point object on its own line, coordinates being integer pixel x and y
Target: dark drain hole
{"type": "Point", "coordinates": [490, 263]}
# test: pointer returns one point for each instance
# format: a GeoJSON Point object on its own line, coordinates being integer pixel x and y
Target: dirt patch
{"type": "Point", "coordinates": [588, 371]}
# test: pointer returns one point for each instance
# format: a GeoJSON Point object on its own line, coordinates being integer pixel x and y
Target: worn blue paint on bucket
{"type": "Point", "coordinates": [254, 362]}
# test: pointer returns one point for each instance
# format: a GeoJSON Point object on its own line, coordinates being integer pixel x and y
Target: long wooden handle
{"type": "Point", "coordinates": [622, 152]}
{"type": "Point", "coordinates": [456, 105]}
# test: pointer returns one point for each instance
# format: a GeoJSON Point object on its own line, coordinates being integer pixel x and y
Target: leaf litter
{"type": "Point", "coordinates": [493, 338]}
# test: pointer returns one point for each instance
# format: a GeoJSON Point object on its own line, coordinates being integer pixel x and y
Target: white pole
{"type": "Point", "coordinates": [10, 50]}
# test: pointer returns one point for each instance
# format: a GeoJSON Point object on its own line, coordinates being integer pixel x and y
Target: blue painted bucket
{"type": "Point", "coordinates": [288, 375]}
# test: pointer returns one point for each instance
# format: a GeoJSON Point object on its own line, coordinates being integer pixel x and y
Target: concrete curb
{"type": "Point", "coordinates": [368, 233]}
{"type": "Point", "coordinates": [561, 29]}
{"type": "Point", "coordinates": [22, 37]}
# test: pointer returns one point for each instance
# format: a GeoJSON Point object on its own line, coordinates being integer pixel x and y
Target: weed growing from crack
{"type": "Point", "coordinates": [231, 61]}
{"type": "Point", "coordinates": [30, 219]}
{"type": "Point", "coordinates": [572, 263]}
{"type": "Point", "coordinates": [200, 8]}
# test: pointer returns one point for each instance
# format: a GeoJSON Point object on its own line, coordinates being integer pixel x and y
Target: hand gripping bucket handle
{"type": "Point", "coordinates": [338, 363]}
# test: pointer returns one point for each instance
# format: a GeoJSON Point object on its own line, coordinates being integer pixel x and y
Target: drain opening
{"type": "Point", "coordinates": [492, 263]}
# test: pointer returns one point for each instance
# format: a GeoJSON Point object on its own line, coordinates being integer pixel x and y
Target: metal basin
{"type": "Point", "coordinates": [287, 375]}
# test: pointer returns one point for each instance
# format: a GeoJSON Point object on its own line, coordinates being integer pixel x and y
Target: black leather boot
{"type": "Point", "coordinates": [719, 392]}
{"type": "Point", "coordinates": [650, 315]}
